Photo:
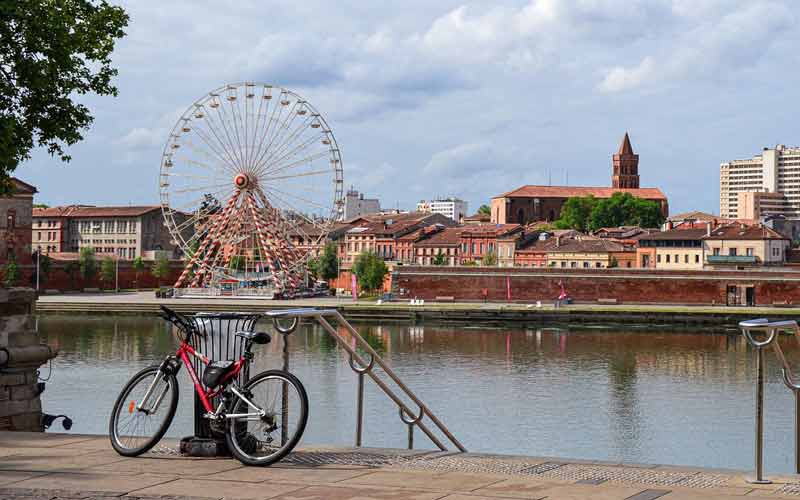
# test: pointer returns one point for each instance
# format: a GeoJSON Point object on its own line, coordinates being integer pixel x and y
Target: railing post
{"type": "Point", "coordinates": [361, 371]}
{"type": "Point", "coordinates": [285, 393]}
{"type": "Point", "coordinates": [759, 448]}
{"type": "Point", "coordinates": [796, 431]}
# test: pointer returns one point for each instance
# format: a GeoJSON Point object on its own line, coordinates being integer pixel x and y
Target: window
{"type": "Point", "coordinates": [628, 264]}
{"type": "Point", "coordinates": [716, 251]}
{"type": "Point", "coordinates": [749, 252]}
{"type": "Point", "coordinates": [732, 252]}
{"type": "Point", "coordinates": [597, 264]}
{"type": "Point", "coordinates": [696, 259]}
{"type": "Point", "coordinates": [473, 247]}
{"type": "Point", "coordinates": [585, 264]}
{"type": "Point", "coordinates": [668, 258]}
{"type": "Point", "coordinates": [563, 264]}
{"type": "Point", "coordinates": [677, 258]}
{"type": "Point", "coordinates": [481, 248]}
{"type": "Point", "coordinates": [132, 253]}
{"type": "Point", "coordinates": [11, 219]}
{"type": "Point", "coordinates": [109, 226]}
{"type": "Point", "coordinates": [658, 258]}
{"type": "Point", "coordinates": [686, 258]}
{"type": "Point", "coordinates": [39, 237]}
{"type": "Point", "coordinates": [573, 264]}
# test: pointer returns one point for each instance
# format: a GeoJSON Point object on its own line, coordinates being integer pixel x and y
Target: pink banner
{"type": "Point", "coordinates": [354, 286]}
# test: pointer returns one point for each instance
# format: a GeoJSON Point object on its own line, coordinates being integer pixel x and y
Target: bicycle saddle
{"type": "Point", "coordinates": [255, 337]}
{"type": "Point", "coordinates": [215, 372]}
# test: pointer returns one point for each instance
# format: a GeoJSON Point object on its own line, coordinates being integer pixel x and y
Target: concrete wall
{"type": "Point", "coordinates": [589, 285]}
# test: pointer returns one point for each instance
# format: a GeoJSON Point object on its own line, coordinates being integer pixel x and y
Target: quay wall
{"type": "Point", "coordinates": [620, 286]}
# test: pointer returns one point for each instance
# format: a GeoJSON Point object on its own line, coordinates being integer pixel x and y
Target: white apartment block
{"type": "Point", "coordinates": [452, 208]}
{"type": "Point", "coordinates": [775, 171]}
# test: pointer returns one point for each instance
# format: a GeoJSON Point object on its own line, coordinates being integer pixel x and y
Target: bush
{"type": "Point", "coordinates": [370, 270]}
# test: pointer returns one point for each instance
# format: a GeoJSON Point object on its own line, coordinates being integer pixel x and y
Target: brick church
{"type": "Point", "coordinates": [532, 203]}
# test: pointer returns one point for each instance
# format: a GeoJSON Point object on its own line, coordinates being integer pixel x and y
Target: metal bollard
{"type": "Point", "coordinates": [759, 448]}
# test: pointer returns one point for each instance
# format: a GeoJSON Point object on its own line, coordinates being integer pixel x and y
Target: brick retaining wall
{"type": "Point", "coordinates": [588, 285]}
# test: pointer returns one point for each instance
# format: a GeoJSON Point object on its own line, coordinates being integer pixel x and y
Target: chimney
{"type": "Point", "coordinates": [708, 228]}
{"type": "Point", "coordinates": [669, 225]}
{"type": "Point", "coordinates": [558, 241]}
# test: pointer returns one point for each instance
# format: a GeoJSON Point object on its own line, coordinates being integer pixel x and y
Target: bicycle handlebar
{"type": "Point", "coordinates": [179, 321]}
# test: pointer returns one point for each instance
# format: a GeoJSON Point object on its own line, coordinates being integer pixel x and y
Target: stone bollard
{"type": "Point", "coordinates": [21, 355]}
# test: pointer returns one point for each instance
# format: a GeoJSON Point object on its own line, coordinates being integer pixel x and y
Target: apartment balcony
{"type": "Point", "coordinates": [732, 259]}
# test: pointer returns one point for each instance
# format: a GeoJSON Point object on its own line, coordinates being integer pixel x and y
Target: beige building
{"type": "Point", "coordinates": [127, 232]}
{"type": "Point", "coordinates": [775, 172]}
{"type": "Point", "coordinates": [583, 253]}
{"type": "Point", "coordinates": [739, 245]}
{"type": "Point", "coordinates": [676, 249]}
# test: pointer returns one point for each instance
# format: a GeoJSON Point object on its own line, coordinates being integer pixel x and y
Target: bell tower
{"type": "Point", "coordinates": [626, 166]}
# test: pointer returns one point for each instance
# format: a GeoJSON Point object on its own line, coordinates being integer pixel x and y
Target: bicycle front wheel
{"type": "Point", "coordinates": [266, 426]}
{"type": "Point", "coordinates": [143, 411]}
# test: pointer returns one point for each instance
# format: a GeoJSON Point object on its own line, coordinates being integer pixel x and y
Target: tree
{"type": "Point", "coordinates": [88, 263]}
{"type": "Point", "coordinates": [576, 213]}
{"type": "Point", "coordinates": [107, 269]}
{"type": "Point", "coordinates": [138, 268]}
{"type": "Point", "coordinates": [45, 265]}
{"type": "Point", "coordinates": [370, 270]}
{"type": "Point", "coordinates": [237, 263]}
{"type": "Point", "coordinates": [51, 54]}
{"type": "Point", "coordinates": [41, 205]}
{"type": "Point", "coordinates": [613, 262]}
{"type": "Point", "coordinates": [328, 263]}
{"type": "Point", "coordinates": [71, 268]}
{"type": "Point", "coordinates": [490, 259]}
{"type": "Point", "coordinates": [623, 209]}
{"type": "Point", "coordinates": [11, 271]}
{"type": "Point", "coordinates": [160, 268]}
{"type": "Point", "coordinates": [485, 210]}
{"type": "Point", "coordinates": [438, 259]}
{"type": "Point", "coordinates": [313, 267]}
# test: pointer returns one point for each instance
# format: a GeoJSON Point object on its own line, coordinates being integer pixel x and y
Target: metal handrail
{"type": "Point", "coordinates": [361, 367]}
{"type": "Point", "coordinates": [771, 329]}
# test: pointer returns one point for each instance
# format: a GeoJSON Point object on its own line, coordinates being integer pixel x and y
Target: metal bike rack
{"type": "Point", "coordinates": [219, 343]}
{"type": "Point", "coordinates": [363, 368]}
{"type": "Point", "coordinates": [771, 330]}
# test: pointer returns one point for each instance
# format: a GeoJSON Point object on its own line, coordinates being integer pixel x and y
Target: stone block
{"type": "Point", "coordinates": [10, 408]}
{"type": "Point", "coordinates": [22, 392]}
{"type": "Point", "coordinates": [12, 378]}
{"type": "Point", "coordinates": [27, 422]}
{"type": "Point", "coordinates": [22, 338]}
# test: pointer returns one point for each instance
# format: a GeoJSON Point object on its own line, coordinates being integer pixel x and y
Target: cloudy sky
{"type": "Point", "coordinates": [459, 98]}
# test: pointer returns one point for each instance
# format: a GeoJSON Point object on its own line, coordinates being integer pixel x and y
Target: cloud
{"type": "Point", "coordinates": [711, 49]}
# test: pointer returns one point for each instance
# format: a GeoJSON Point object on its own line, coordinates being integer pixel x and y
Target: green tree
{"type": "Point", "coordinates": [138, 268]}
{"type": "Point", "coordinates": [51, 54]}
{"type": "Point", "coordinates": [88, 263]}
{"type": "Point", "coordinates": [72, 268]}
{"type": "Point", "coordinates": [613, 262]}
{"type": "Point", "coordinates": [328, 263]}
{"type": "Point", "coordinates": [370, 270]}
{"type": "Point", "coordinates": [160, 268]}
{"type": "Point", "coordinates": [438, 259]}
{"type": "Point", "coordinates": [11, 271]}
{"type": "Point", "coordinates": [489, 259]}
{"type": "Point", "coordinates": [576, 213]}
{"type": "Point", "coordinates": [45, 266]}
{"type": "Point", "coordinates": [313, 267]}
{"type": "Point", "coordinates": [41, 205]}
{"type": "Point", "coordinates": [623, 209]}
{"type": "Point", "coordinates": [107, 270]}
{"type": "Point", "coordinates": [485, 210]}
{"type": "Point", "coordinates": [237, 263]}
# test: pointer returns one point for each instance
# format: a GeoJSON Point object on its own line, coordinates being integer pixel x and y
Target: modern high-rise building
{"type": "Point", "coordinates": [766, 184]}
{"type": "Point", "coordinates": [453, 208]}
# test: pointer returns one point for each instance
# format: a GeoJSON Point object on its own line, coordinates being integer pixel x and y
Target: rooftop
{"type": "Point", "coordinates": [737, 231]}
{"type": "Point", "coordinates": [477, 230]}
{"type": "Point", "coordinates": [535, 191]}
{"type": "Point", "coordinates": [92, 211]}
{"type": "Point", "coordinates": [445, 237]}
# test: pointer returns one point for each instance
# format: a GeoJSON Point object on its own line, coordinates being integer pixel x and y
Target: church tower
{"type": "Point", "coordinates": [626, 166]}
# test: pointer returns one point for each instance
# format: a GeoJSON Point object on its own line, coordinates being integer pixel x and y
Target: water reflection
{"type": "Point", "coordinates": [609, 394]}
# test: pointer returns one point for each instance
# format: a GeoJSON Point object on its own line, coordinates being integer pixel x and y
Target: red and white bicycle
{"type": "Point", "coordinates": [262, 420]}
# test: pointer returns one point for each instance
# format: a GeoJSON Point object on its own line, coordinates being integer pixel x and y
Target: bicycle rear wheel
{"type": "Point", "coordinates": [138, 423]}
{"type": "Point", "coordinates": [264, 440]}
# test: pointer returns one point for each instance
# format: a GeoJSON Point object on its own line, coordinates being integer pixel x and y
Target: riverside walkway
{"type": "Point", "coordinates": [465, 312]}
{"type": "Point", "coordinates": [68, 466]}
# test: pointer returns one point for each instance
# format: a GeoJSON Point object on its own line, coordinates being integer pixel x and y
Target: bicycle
{"type": "Point", "coordinates": [257, 429]}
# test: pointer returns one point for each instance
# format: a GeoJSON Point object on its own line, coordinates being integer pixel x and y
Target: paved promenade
{"type": "Point", "coordinates": [62, 466]}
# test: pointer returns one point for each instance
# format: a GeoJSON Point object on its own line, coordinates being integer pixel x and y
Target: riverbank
{"type": "Point", "coordinates": [461, 312]}
{"type": "Point", "coordinates": [50, 465]}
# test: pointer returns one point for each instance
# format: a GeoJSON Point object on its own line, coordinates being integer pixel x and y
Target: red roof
{"type": "Point", "coordinates": [533, 191]}
{"type": "Point", "coordinates": [446, 237]}
{"type": "Point", "coordinates": [90, 211]}
{"type": "Point", "coordinates": [480, 230]}
{"type": "Point", "coordinates": [737, 231]}
{"type": "Point", "coordinates": [21, 187]}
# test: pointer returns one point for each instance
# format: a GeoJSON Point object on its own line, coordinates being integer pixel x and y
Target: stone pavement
{"type": "Point", "coordinates": [68, 466]}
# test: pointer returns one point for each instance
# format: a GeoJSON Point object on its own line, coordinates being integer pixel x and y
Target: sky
{"type": "Point", "coordinates": [469, 99]}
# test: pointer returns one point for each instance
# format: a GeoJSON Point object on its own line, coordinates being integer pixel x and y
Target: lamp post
{"type": "Point", "coordinates": [38, 253]}
{"type": "Point", "coordinates": [116, 274]}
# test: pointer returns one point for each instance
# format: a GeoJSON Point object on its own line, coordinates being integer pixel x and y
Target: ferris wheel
{"type": "Point", "coordinates": [250, 184]}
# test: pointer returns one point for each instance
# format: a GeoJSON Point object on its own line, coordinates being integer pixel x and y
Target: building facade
{"type": "Point", "coordinates": [355, 205]}
{"type": "Point", "coordinates": [452, 208]}
{"type": "Point", "coordinates": [477, 240]}
{"type": "Point", "coordinates": [127, 232]}
{"type": "Point", "coordinates": [743, 245]}
{"type": "Point", "coordinates": [15, 222]}
{"type": "Point", "coordinates": [775, 171]}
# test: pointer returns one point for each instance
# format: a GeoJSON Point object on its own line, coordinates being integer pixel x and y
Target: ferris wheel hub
{"type": "Point", "coordinates": [243, 181]}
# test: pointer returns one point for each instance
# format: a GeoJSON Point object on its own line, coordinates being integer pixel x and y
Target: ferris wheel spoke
{"type": "Point", "coordinates": [223, 120]}
{"type": "Point", "coordinates": [269, 130]}
{"type": "Point", "coordinates": [281, 140]}
{"type": "Point", "coordinates": [307, 160]}
{"type": "Point", "coordinates": [261, 113]}
{"type": "Point", "coordinates": [294, 176]}
{"type": "Point", "coordinates": [235, 126]}
{"type": "Point", "coordinates": [299, 149]}
{"type": "Point", "coordinates": [264, 162]}
{"type": "Point", "coordinates": [215, 130]}
{"type": "Point", "coordinates": [279, 132]}
{"type": "Point", "coordinates": [274, 191]}
{"type": "Point", "coordinates": [224, 156]}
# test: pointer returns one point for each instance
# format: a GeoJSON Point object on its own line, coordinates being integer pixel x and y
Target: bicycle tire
{"type": "Point", "coordinates": [113, 432]}
{"type": "Point", "coordinates": [231, 439]}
